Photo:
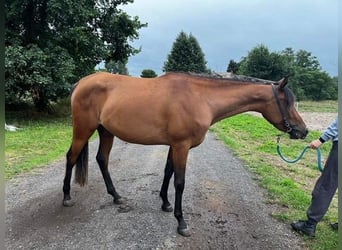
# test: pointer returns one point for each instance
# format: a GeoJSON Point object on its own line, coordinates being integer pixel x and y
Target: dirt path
{"type": "Point", "coordinates": [314, 120]}
{"type": "Point", "coordinates": [223, 205]}
{"type": "Point", "coordinates": [318, 121]}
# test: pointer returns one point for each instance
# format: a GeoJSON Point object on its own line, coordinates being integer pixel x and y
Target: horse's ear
{"type": "Point", "coordinates": [283, 82]}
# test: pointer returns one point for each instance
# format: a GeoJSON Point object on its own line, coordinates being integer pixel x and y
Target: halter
{"type": "Point", "coordinates": [282, 112]}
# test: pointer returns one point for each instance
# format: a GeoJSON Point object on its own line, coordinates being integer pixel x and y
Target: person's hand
{"type": "Point", "coordinates": [315, 144]}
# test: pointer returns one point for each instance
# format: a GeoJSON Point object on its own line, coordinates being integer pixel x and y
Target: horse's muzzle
{"type": "Point", "coordinates": [297, 133]}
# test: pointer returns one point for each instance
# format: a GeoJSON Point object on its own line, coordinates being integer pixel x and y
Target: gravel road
{"type": "Point", "coordinates": [223, 204]}
{"type": "Point", "coordinates": [318, 121]}
{"type": "Point", "coordinates": [313, 120]}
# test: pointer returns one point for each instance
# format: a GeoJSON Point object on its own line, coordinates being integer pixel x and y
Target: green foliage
{"type": "Point", "coordinates": [116, 67]}
{"type": "Point", "coordinates": [186, 56]}
{"type": "Point", "coordinates": [262, 63]}
{"type": "Point", "coordinates": [51, 44]}
{"type": "Point", "coordinates": [233, 66]}
{"type": "Point", "coordinates": [307, 80]}
{"type": "Point", "coordinates": [148, 73]}
{"type": "Point", "coordinates": [38, 74]}
{"type": "Point", "coordinates": [313, 85]}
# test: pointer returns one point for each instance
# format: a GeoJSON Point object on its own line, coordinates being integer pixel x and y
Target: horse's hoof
{"type": "Point", "coordinates": [184, 231]}
{"type": "Point", "coordinates": [167, 208]}
{"type": "Point", "coordinates": [68, 203]}
{"type": "Point", "coordinates": [119, 201]}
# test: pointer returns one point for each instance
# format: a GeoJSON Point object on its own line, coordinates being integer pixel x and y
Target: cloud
{"type": "Point", "coordinates": [229, 29]}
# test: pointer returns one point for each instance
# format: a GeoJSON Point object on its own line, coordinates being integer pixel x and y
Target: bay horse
{"type": "Point", "coordinates": [175, 109]}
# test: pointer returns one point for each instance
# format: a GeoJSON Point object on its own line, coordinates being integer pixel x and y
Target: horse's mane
{"type": "Point", "coordinates": [230, 76]}
{"type": "Point", "coordinates": [289, 95]}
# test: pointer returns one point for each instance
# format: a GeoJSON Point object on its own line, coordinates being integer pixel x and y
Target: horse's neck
{"type": "Point", "coordinates": [234, 99]}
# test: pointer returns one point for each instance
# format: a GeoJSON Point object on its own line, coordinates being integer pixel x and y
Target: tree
{"type": "Point", "coordinates": [305, 59]}
{"type": "Point", "coordinates": [313, 85]}
{"type": "Point", "coordinates": [50, 44]}
{"type": "Point", "coordinates": [31, 72]}
{"type": "Point", "coordinates": [307, 80]}
{"type": "Point", "coordinates": [148, 73]}
{"type": "Point", "coordinates": [116, 67]}
{"type": "Point", "coordinates": [186, 55]}
{"type": "Point", "coordinates": [233, 66]}
{"type": "Point", "coordinates": [262, 63]}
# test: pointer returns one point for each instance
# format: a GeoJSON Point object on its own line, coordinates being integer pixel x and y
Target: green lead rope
{"type": "Point", "coordinates": [319, 156]}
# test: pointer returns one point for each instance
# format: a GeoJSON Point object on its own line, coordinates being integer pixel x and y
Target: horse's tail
{"type": "Point", "coordinates": [81, 175]}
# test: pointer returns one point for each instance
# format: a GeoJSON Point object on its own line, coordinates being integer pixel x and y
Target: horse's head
{"type": "Point", "coordinates": [282, 113]}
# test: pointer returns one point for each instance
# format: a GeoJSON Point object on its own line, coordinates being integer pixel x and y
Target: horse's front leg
{"type": "Point", "coordinates": [168, 172]}
{"type": "Point", "coordinates": [179, 157]}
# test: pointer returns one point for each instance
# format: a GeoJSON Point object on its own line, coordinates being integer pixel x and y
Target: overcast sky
{"type": "Point", "coordinates": [229, 29]}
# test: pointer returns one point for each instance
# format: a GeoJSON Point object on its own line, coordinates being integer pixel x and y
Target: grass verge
{"type": "Point", "coordinates": [36, 144]}
{"type": "Point", "coordinates": [322, 106]}
{"type": "Point", "coordinates": [253, 140]}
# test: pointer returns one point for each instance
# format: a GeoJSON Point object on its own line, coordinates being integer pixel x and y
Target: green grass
{"type": "Point", "coordinates": [322, 106]}
{"type": "Point", "coordinates": [253, 140]}
{"type": "Point", "coordinates": [37, 144]}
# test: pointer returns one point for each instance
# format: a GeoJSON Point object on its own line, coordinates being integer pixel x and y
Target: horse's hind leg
{"type": "Point", "coordinates": [77, 148]}
{"type": "Point", "coordinates": [102, 157]}
{"type": "Point", "coordinates": [67, 179]}
{"type": "Point", "coordinates": [166, 206]}
{"type": "Point", "coordinates": [83, 128]}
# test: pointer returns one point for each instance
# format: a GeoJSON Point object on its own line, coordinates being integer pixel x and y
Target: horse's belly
{"type": "Point", "coordinates": [137, 130]}
{"type": "Point", "coordinates": [140, 136]}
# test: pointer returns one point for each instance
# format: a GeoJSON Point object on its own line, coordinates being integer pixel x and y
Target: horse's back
{"type": "Point", "coordinates": [101, 80]}
{"type": "Point", "coordinates": [141, 110]}
{"type": "Point", "coordinates": [106, 84]}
